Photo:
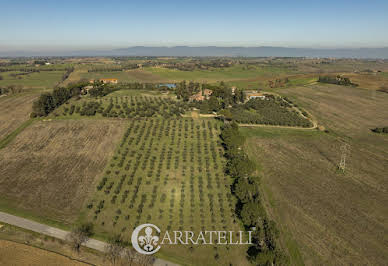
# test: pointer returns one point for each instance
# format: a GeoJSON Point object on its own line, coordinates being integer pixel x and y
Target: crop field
{"type": "Point", "coordinates": [136, 75]}
{"type": "Point", "coordinates": [168, 172]}
{"type": "Point", "coordinates": [12, 253]}
{"type": "Point", "coordinates": [369, 81]}
{"type": "Point", "coordinates": [330, 216]}
{"type": "Point", "coordinates": [50, 167]}
{"type": "Point", "coordinates": [346, 110]}
{"type": "Point", "coordinates": [14, 110]}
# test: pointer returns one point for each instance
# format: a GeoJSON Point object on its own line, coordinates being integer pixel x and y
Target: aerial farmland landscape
{"type": "Point", "coordinates": [133, 150]}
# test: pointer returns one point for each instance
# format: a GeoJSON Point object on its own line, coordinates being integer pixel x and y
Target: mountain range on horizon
{"type": "Point", "coordinates": [208, 51]}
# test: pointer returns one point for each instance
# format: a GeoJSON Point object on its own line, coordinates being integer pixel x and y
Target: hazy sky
{"type": "Point", "coordinates": [82, 24]}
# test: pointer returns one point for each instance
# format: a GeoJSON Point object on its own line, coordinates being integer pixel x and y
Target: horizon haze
{"type": "Point", "coordinates": [213, 51]}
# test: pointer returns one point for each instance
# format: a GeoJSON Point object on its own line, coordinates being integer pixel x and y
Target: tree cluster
{"type": "Point", "coordinates": [338, 80]}
{"type": "Point", "coordinates": [10, 89]}
{"type": "Point", "coordinates": [184, 90]}
{"type": "Point", "coordinates": [222, 96]}
{"type": "Point", "coordinates": [40, 62]}
{"type": "Point", "coordinates": [281, 82]}
{"type": "Point", "coordinates": [100, 89]}
{"type": "Point", "coordinates": [32, 69]}
{"type": "Point", "coordinates": [199, 64]}
{"type": "Point", "coordinates": [270, 111]}
{"type": "Point", "coordinates": [80, 235]}
{"type": "Point", "coordinates": [380, 130]}
{"type": "Point", "coordinates": [67, 73]}
{"type": "Point", "coordinates": [249, 207]}
{"type": "Point", "coordinates": [114, 68]}
{"type": "Point", "coordinates": [48, 101]}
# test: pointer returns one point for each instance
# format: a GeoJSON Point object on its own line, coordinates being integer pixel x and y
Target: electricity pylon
{"type": "Point", "coordinates": [344, 152]}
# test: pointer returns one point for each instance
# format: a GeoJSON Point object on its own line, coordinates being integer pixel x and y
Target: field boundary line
{"type": "Point", "coordinates": [276, 126]}
{"type": "Point", "coordinates": [7, 139]}
{"type": "Point", "coordinates": [47, 250]}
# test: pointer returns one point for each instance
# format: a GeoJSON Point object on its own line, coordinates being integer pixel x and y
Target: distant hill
{"type": "Point", "coordinates": [263, 51]}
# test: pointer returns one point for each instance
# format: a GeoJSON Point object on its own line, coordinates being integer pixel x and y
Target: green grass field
{"type": "Point", "coordinates": [43, 79]}
{"type": "Point", "coordinates": [216, 75]}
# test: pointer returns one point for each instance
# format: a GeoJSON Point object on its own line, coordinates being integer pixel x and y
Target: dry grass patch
{"type": "Point", "coordinates": [50, 167]}
{"type": "Point", "coordinates": [347, 110]}
{"type": "Point", "coordinates": [335, 218]}
{"type": "Point", "coordinates": [329, 214]}
{"type": "Point", "coordinates": [14, 110]}
{"type": "Point", "coordinates": [368, 81]}
{"type": "Point", "coordinates": [12, 253]}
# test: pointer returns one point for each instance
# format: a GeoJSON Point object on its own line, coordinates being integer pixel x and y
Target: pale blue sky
{"type": "Point", "coordinates": [87, 24]}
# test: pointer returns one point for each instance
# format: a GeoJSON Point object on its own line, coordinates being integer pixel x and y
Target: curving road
{"type": "Point", "coordinates": [61, 234]}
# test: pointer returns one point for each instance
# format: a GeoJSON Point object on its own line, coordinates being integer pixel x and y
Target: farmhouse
{"type": "Point", "coordinates": [105, 81]}
{"type": "Point", "coordinates": [201, 95]}
{"type": "Point", "coordinates": [207, 93]}
{"type": "Point", "coordinates": [85, 90]}
{"type": "Point", "coordinates": [197, 97]}
{"type": "Point", "coordinates": [255, 95]}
